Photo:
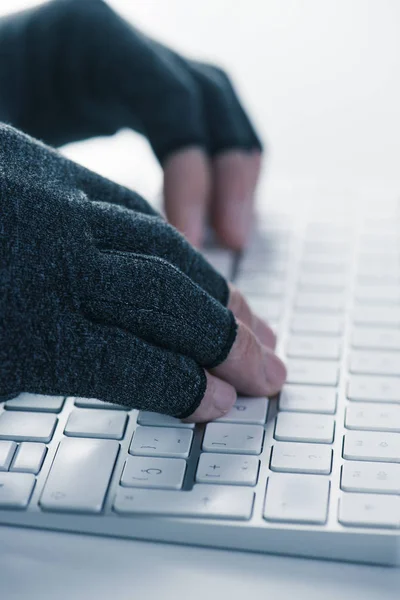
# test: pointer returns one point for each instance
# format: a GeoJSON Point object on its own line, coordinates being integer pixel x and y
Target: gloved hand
{"type": "Point", "coordinates": [100, 297]}
{"type": "Point", "coordinates": [70, 70]}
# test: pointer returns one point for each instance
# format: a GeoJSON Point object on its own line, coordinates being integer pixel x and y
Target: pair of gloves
{"type": "Point", "coordinates": [100, 297]}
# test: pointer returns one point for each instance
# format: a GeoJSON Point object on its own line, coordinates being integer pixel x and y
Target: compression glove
{"type": "Point", "coordinates": [100, 297]}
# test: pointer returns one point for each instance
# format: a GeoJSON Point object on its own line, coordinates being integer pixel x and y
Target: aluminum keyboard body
{"type": "Point", "coordinates": [315, 473]}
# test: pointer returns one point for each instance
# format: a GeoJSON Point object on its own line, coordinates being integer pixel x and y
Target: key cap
{"type": "Point", "coordinates": [302, 346]}
{"type": "Point", "coordinates": [16, 489]}
{"type": "Point", "coordinates": [373, 417]}
{"type": "Point", "coordinates": [220, 259]}
{"type": "Point", "coordinates": [267, 309]}
{"type": "Point", "coordinates": [314, 282]}
{"type": "Point", "coordinates": [378, 295]}
{"type": "Point", "coordinates": [96, 423]}
{"type": "Point", "coordinates": [369, 510]}
{"type": "Point", "coordinates": [301, 458]}
{"type": "Point", "coordinates": [231, 438]}
{"type": "Point", "coordinates": [247, 410]}
{"type": "Point", "coordinates": [27, 426]}
{"type": "Point", "coordinates": [375, 363]}
{"type": "Point", "coordinates": [376, 339]}
{"type": "Point", "coordinates": [29, 458]}
{"type": "Point", "coordinates": [203, 501]}
{"type": "Point", "coordinates": [231, 469]}
{"type": "Point", "coordinates": [377, 316]}
{"type": "Point", "coordinates": [298, 427]}
{"type": "Point", "coordinates": [372, 446]}
{"type": "Point", "coordinates": [314, 372]}
{"type": "Point", "coordinates": [80, 475]}
{"type": "Point", "coordinates": [303, 398]}
{"type": "Point", "coordinates": [36, 402]}
{"type": "Point", "coordinates": [297, 498]}
{"type": "Point", "coordinates": [329, 325]}
{"type": "Point", "coordinates": [371, 477]}
{"type": "Point", "coordinates": [313, 265]}
{"type": "Point", "coordinates": [94, 403]}
{"type": "Point", "coordinates": [373, 389]}
{"type": "Point", "coordinates": [253, 285]}
{"type": "Point", "coordinates": [161, 441]}
{"type": "Point", "coordinates": [141, 471]}
{"type": "Point", "coordinates": [146, 417]}
{"type": "Point", "coordinates": [7, 450]}
{"type": "Point", "coordinates": [329, 303]}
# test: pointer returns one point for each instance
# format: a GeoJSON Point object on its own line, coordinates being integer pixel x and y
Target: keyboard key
{"type": "Point", "coordinates": [228, 469]}
{"type": "Point", "coordinates": [329, 282]}
{"type": "Point", "coordinates": [301, 458]}
{"type": "Point", "coordinates": [94, 403]}
{"type": "Point", "coordinates": [375, 363]}
{"type": "Point", "coordinates": [231, 438]}
{"type": "Point", "coordinates": [247, 410]}
{"type": "Point", "coordinates": [297, 499]}
{"type": "Point", "coordinates": [220, 259]}
{"type": "Point", "coordinates": [314, 372]}
{"type": "Point", "coordinates": [377, 316]}
{"type": "Point", "coordinates": [29, 458]}
{"type": "Point", "coordinates": [7, 451]}
{"type": "Point", "coordinates": [146, 417]}
{"type": "Point", "coordinates": [267, 309]}
{"type": "Point", "coordinates": [80, 475]}
{"type": "Point", "coordinates": [303, 398]}
{"type": "Point", "coordinates": [373, 389]}
{"type": "Point", "coordinates": [301, 346]}
{"type": "Point", "coordinates": [161, 441]}
{"type": "Point", "coordinates": [141, 471]}
{"type": "Point", "coordinates": [378, 295]}
{"type": "Point", "coordinates": [36, 402]}
{"type": "Point", "coordinates": [96, 423]}
{"type": "Point", "coordinates": [317, 324]}
{"type": "Point", "coordinates": [309, 302]}
{"type": "Point", "coordinates": [297, 427]}
{"type": "Point", "coordinates": [376, 339]}
{"type": "Point", "coordinates": [373, 417]}
{"type": "Point", "coordinates": [25, 426]}
{"type": "Point", "coordinates": [369, 510]}
{"type": "Point", "coordinates": [252, 284]}
{"type": "Point", "coordinates": [203, 501]}
{"type": "Point", "coordinates": [16, 489]}
{"type": "Point", "coordinates": [372, 446]}
{"type": "Point", "coordinates": [371, 477]}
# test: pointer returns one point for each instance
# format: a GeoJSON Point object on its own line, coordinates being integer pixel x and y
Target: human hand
{"type": "Point", "coordinates": [75, 87]}
{"type": "Point", "coordinates": [109, 301]}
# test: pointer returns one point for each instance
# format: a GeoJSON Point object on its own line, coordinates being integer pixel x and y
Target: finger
{"type": "Point", "coordinates": [242, 311]}
{"type": "Point", "coordinates": [251, 368]}
{"type": "Point", "coordinates": [116, 228]}
{"type": "Point", "coordinates": [217, 401]}
{"type": "Point", "coordinates": [187, 192]}
{"type": "Point", "coordinates": [153, 300]}
{"type": "Point", "coordinates": [127, 370]}
{"type": "Point", "coordinates": [233, 184]}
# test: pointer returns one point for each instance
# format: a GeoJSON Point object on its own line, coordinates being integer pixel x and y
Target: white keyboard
{"type": "Point", "coordinates": [315, 473]}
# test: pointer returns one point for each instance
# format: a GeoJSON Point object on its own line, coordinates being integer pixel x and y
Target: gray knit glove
{"type": "Point", "coordinates": [100, 297]}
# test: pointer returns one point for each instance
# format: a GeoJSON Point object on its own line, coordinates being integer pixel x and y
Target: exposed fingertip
{"type": "Point", "coordinates": [275, 371]}
{"type": "Point", "coordinates": [219, 398]}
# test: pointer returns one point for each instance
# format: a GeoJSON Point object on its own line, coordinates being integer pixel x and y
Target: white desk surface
{"type": "Point", "coordinates": [322, 79]}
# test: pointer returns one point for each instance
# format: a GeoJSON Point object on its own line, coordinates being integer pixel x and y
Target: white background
{"type": "Point", "coordinates": [321, 78]}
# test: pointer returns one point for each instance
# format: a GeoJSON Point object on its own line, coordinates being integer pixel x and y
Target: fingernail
{"type": "Point", "coordinates": [225, 397]}
{"type": "Point", "coordinates": [275, 370]}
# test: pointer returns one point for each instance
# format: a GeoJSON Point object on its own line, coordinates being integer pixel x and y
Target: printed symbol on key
{"type": "Point", "coordinates": [150, 471]}
{"type": "Point", "coordinates": [58, 495]}
{"type": "Point", "coordinates": [205, 500]}
{"type": "Point", "coordinates": [241, 408]}
{"type": "Point", "coordinates": [356, 473]}
{"type": "Point", "coordinates": [382, 476]}
{"type": "Point", "coordinates": [214, 467]}
{"type": "Point", "coordinates": [359, 443]}
{"type": "Point", "coordinates": [383, 444]}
